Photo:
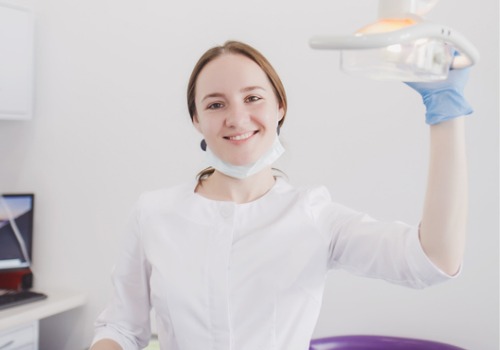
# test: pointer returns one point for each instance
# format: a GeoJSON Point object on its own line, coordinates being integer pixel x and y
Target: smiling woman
{"type": "Point", "coordinates": [238, 259]}
{"type": "Point", "coordinates": [236, 106]}
{"type": "Point", "coordinates": [259, 87]}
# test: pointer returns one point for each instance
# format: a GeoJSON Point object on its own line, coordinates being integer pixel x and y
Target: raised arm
{"type": "Point", "coordinates": [443, 226]}
{"type": "Point", "coordinates": [444, 219]}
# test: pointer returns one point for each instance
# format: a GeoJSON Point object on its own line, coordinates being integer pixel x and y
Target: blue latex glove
{"type": "Point", "coordinates": [444, 99]}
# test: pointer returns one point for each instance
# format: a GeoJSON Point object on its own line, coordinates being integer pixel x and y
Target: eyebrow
{"type": "Point", "coordinates": [246, 89]}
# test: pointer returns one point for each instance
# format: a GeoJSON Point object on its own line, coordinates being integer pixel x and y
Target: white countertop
{"type": "Point", "coordinates": [57, 301]}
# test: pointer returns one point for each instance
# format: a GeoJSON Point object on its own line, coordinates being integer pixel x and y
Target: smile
{"type": "Point", "coordinates": [242, 136]}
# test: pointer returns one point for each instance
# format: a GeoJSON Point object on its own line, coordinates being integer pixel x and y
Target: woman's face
{"type": "Point", "coordinates": [236, 109]}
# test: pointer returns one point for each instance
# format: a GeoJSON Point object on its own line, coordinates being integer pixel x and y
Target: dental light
{"type": "Point", "coordinates": [400, 45]}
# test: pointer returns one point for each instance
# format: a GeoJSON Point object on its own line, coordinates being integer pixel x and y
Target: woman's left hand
{"type": "Point", "coordinates": [444, 99]}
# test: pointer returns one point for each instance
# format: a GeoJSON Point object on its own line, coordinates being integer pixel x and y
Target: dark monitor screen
{"type": "Point", "coordinates": [16, 230]}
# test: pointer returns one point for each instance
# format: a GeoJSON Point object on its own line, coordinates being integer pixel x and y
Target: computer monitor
{"type": "Point", "coordinates": [16, 231]}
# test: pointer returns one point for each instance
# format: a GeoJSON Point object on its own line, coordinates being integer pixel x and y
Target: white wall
{"type": "Point", "coordinates": [111, 122]}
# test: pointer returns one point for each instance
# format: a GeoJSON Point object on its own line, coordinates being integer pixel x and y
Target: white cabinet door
{"type": "Point", "coordinates": [16, 62]}
{"type": "Point", "coordinates": [21, 337]}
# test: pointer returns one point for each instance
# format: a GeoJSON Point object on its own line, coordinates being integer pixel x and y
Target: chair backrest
{"type": "Point", "coordinates": [375, 342]}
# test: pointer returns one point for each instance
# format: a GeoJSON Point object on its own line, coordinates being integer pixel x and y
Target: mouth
{"type": "Point", "coordinates": [241, 137]}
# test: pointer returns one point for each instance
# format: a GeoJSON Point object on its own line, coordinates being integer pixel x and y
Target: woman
{"type": "Point", "coordinates": [237, 259]}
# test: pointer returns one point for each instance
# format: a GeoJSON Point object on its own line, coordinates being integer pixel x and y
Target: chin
{"type": "Point", "coordinates": [242, 157]}
{"type": "Point", "coordinates": [241, 161]}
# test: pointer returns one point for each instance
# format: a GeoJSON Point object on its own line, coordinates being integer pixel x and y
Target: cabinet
{"type": "Point", "coordinates": [23, 337]}
{"type": "Point", "coordinates": [19, 325]}
{"type": "Point", "coordinates": [16, 62]}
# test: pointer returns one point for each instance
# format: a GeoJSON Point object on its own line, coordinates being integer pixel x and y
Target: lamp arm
{"type": "Point", "coordinates": [469, 53]}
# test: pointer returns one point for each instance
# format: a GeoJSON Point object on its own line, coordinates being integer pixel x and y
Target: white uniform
{"type": "Point", "coordinates": [246, 276]}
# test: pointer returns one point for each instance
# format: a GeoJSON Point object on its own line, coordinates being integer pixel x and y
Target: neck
{"type": "Point", "coordinates": [225, 188]}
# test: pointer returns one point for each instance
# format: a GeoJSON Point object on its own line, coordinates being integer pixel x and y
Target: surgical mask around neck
{"type": "Point", "coordinates": [244, 171]}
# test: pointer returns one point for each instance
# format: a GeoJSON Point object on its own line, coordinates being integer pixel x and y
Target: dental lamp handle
{"type": "Point", "coordinates": [469, 55]}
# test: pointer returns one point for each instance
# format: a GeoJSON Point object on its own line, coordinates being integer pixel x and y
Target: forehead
{"type": "Point", "coordinates": [230, 72]}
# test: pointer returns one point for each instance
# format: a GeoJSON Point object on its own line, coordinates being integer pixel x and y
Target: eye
{"type": "Point", "coordinates": [253, 98]}
{"type": "Point", "coordinates": [215, 105]}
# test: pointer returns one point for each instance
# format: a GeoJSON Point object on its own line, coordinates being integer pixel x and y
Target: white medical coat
{"type": "Point", "coordinates": [226, 276]}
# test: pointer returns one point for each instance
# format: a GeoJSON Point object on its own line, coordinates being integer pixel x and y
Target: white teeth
{"type": "Point", "coordinates": [241, 137]}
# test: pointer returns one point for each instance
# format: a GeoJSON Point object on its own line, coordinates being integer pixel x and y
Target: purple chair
{"type": "Point", "coordinates": [375, 342]}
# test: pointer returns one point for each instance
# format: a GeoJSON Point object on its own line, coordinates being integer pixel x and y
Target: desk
{"type": "Point", "coordinates": [22, 321]}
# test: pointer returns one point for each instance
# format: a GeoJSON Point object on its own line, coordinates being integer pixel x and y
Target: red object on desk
{"type": "Point", "coordinates": [16, 279]}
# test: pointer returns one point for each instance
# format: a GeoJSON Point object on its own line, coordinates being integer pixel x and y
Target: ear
{"type": "Point", "coordinates": [196, 123]}
{"type": "Point", "coordinates": [281, 113]}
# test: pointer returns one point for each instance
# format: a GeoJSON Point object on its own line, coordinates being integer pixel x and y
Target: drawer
{"type": "Point", "coordinates": [21, 337]}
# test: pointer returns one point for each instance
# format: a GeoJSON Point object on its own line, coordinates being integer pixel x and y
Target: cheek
{"type": "Point", "coordinates": [206, 127]}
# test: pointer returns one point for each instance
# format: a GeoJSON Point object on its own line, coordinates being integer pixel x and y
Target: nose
{"type": "Point", "coordinates": [237, 116]}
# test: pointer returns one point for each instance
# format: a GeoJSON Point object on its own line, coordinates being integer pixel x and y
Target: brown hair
{"type": "Point", "coordinates": [234, 47]}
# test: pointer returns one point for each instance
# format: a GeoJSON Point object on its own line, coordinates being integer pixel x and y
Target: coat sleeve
{"type": "Point", "coordinates": [364, 246]}
{"type": "Point", "coordinates": [126, 319]}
